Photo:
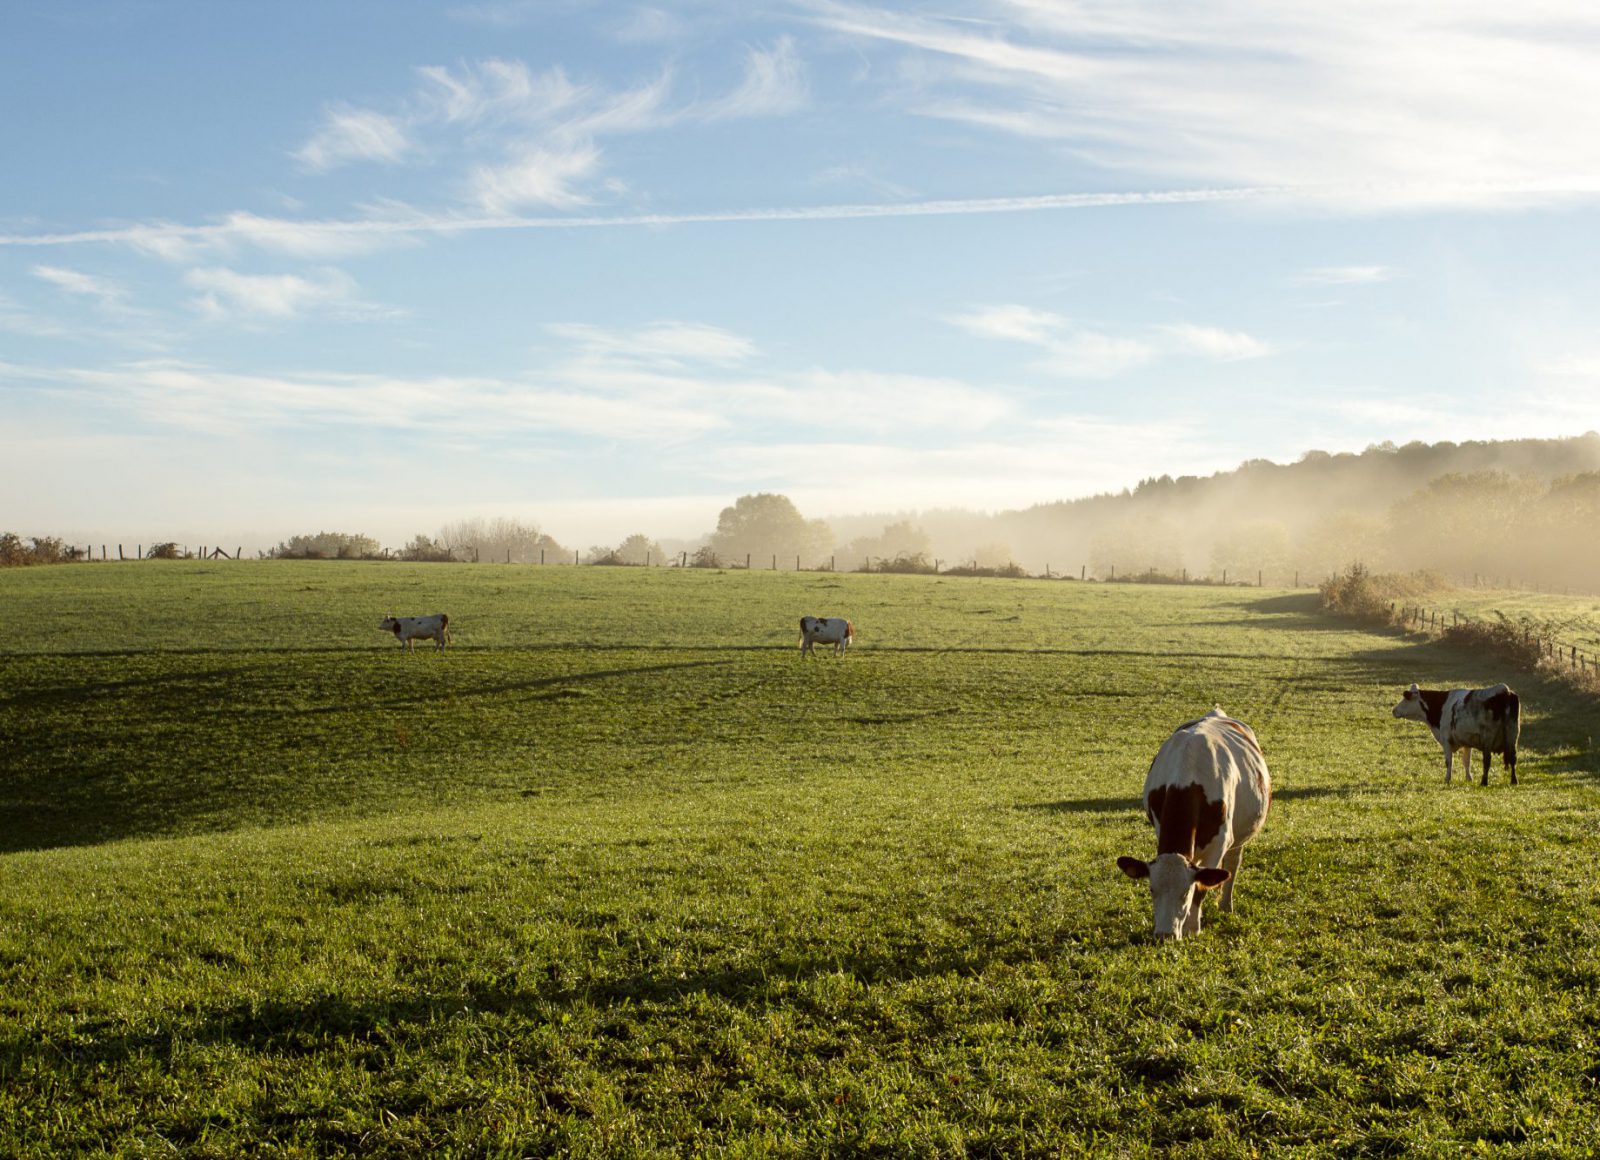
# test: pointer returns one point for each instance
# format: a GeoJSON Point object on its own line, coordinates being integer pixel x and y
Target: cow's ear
{"type": "Point", "coordinates": [1133, 868]}
{"type": "Point", "coordinates": [1211, 877]}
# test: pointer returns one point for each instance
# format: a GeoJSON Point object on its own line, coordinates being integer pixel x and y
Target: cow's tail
{"type": "Point", "coordinates": [1513, 731]}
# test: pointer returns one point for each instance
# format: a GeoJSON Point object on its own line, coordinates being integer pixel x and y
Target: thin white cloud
{"type": "Point", "coordinates": [1017, 323]}
{"type": "Point", "coordinates": [495, 91]}
{"type": "Point", "coordinates": [1370, 104]}
{"type": "Point", "coordinates": [1343, 275]}
{"type": "Point", "coordinates": [1211, 342]}
{"type": "Point", "coordinates": [1070, 350]}
{"type": "Point", "coordinates": [541, 177]}
{"type": "Point", "coordinates": [349, 135]}
{"type": "Point", "coordinates": [1075, 351]}
{"type": "Point", "coordinates": [650, 26]}
{"type": "Point", "coordinates": [674, 342]}
{"type": "Point", "coordinates": [229, 294]}
{"type": "Point", "coordinates": [84, 285]}
{"type": "Point", "coordinates": [1087, 354]}
{"type": "Point", "coordinates": [774, 85]}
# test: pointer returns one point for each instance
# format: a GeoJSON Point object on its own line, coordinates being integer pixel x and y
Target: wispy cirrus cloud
{"type": "Point", "coordinates": [663, 382]}
{"type": "Point", "coordinates": [1076, 351]}
{"type": "Point", "coordinates": [348, 135]}
{"type": "Point", "coordinates": [774, 85]}
{"type": "Point", "coordinates": [1212, 342]}
{"type": "Point", "coordinates": [78, 283]}
{"type": "Point", "coordinates": [1371, 105]}
{"type": "Point", "coordinates": [533, 137]}
{"type": "Point", "coordinates": [228, 294]}
{"type": "Point", "coordinates": [677, 343]}
{"type": "Point", "coordinates": [1343, 276]}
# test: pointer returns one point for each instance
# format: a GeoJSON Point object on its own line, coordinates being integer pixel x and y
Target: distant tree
{"type": "Point", "coordinates": [1254, 546]}
{"type": "Point", "coordinates": [421, 548]}
{"type": "Point", "coordinates": [900, 540]}
{"type": "Point", "coordinates": [166, 550]}
{"type": "Point", "coordinates": [640, 549]}
{"type": "Point", "coordinates": [1334, 542]}
{"type": "Point", "coordinates": [765, 525]}
{"type": "Point", "coordinates": [1137, 545]}
{"type": "Point", "coordinates": [12, 551]}
{"type": "Point", "coordinates": [501, 539]}
{"type": "Point", "coordinates": [328, 546]}
{"type": "Point", "coordinates": [635, 550]}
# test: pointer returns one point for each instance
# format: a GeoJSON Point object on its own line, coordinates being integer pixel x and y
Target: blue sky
{"type": "Point", "coordinates": [374, 267]}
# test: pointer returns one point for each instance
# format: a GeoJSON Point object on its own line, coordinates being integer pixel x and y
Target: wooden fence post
{"type": "Point", "coordinates": [574, 555]}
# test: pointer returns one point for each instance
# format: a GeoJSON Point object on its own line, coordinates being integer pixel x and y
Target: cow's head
{"type": "Point", "coordinates": [1411, 706]}
{"type": "Point", "coordinates": [389, 624]}
{"type": "Point", "coordinates": [1176, 889]}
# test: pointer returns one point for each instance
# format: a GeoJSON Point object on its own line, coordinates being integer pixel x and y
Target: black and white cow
{"type": "Point", "coordinates": [834, 630]}
{"type": "Point", "coordinates": [1486, 719]}
{"type": "Point", "coordinates": [410, 629]}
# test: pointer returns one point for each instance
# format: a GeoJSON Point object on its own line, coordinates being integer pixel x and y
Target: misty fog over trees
{"type": "Point", "coordinates": [1523, 511]}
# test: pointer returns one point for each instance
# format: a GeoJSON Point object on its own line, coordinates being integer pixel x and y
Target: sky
{"type": "Point", "coordinates": [603, 267]}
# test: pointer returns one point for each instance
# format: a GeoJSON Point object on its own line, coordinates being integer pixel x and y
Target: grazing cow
{"type": "Point", "coordinates": [834, 630]}
{"type": "Point", "coordinates": [409, 629]}
{"type": "Point", "coordinates": [1206, 794]}
{"type": "Point", "coordinates": [1486, 719]}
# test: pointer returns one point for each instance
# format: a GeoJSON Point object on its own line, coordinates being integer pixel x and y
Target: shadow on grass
{"type": "Point", "coordinates": [1118, 805]}
{"type": "Point", "coordinates": [82, 794]}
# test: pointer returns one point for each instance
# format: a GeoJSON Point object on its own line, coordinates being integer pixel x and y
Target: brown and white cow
{"type": "Point", "coordinates": [1485, 719]}
{"type": "Point", "coordinates": [834, 630]}
{"type": "Point", "coordinates": [1206, 794]}
{"type": "Point", "coordinates": [410, 629]}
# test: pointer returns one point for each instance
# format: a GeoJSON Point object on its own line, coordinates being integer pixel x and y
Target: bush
{"type": "Point", "coordinates": [1011, 571]}
{"type": "Point", "coordinates": [910, 564]}
{"type": "Point", "coordinates": [164, 551]}
{"type": "Point", "coordinates": [1518, 640]}
{"type": "Point", "coordinates": [1359, 593]}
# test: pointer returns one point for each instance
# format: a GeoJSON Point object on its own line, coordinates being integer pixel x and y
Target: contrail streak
{"type": "Point", "coordinates": [248, 227]}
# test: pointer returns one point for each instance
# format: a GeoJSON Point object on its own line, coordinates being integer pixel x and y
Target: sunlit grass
{"type": "Point", "coordinates": [621, 874]}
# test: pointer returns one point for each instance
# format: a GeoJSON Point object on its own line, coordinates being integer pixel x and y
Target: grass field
{"type": "Point", "coordinates": [618, 874]}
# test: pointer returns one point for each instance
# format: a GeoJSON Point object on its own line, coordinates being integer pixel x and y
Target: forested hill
{"type": "Point", "coordinates": [1526, 509]}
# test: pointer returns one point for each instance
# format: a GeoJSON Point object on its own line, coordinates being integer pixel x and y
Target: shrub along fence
{"type": "Point", "coordinates": [1527, 640]}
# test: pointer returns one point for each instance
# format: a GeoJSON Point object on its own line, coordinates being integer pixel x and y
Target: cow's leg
{"type": "Point", "coordinates": [1230, 863]}
{"type": "Point", "coordinates": [1485, 780]}
{"type": "Point", "coordinates": [1449, 763]}
{"type": "Point", "coordinates": [1510, 761]}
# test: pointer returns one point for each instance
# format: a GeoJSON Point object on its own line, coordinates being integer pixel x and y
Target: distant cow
{"type": "Point", "coordinates": [1206, 795]}
{"type": "Point", "coordinates": [409, 629]}
{"type": "Point", "coordinates": [1486, 719]}
{"type": "Point", "coordinates": [834, 630]}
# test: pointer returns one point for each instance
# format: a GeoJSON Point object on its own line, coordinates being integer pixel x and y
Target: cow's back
{"type": "Point", "coordinates": [1488, 718]}
{"type": "Point", "coordinates": [1221, 759]}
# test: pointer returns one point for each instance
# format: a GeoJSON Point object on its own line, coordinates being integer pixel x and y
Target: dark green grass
{"type": "Point", "coordinates": [619, 874]}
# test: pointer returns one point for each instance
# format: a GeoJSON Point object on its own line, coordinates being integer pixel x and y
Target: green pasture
{"type": "Point", "coordinates": [620, 875]}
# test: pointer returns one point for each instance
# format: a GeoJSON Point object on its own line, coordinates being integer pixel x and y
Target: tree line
{"type": "Point", "coordinates": [1527, 510]}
